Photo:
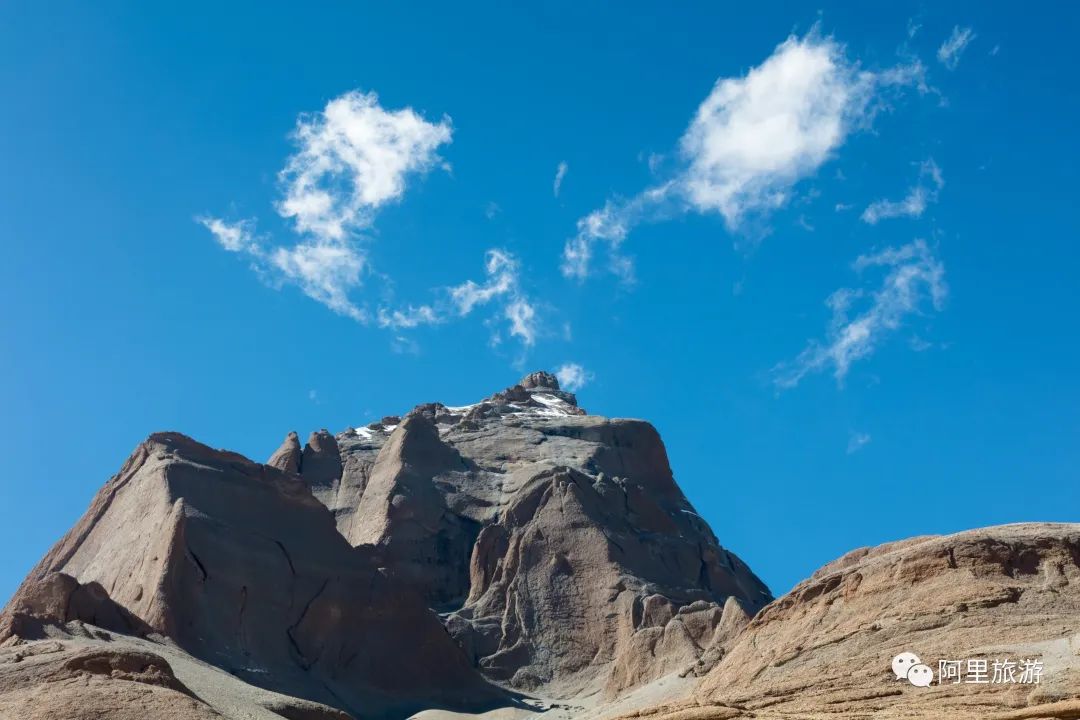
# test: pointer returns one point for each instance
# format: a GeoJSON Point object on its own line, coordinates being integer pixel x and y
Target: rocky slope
{"type": "Point", "coordinates": [240, 566]}
{"type": "Point", "coordinates": [558, 547]}
{"type": "Point", "coordinates": [440, 560]}
{"type": "Point", "coordinates": [824, 649]}
{"type": "Point", "coordinates": [508, 559]}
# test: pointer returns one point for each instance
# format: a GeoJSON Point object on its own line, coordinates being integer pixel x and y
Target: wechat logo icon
{"type": "Point", "coordinates": [908, 666]}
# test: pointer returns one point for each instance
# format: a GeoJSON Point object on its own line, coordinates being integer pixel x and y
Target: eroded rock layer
{"type": "Point", "coordinates": [1008, 593]}
{"type": "Point", "coordinates": [556, 543]}
{"type": "Point", "coordinates": [242, 567]}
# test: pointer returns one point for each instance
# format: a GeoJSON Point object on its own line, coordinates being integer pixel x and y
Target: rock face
{"type": "Point", "coordinates": [242, 567]}
{"type": "Point", "coordinates": [555, 547]}
{"type": "Point", "coordinates": [824, 649]}
{"type": "Point", "coordinates": [556, 544]}
{"type": "Point", "coordinates": [49, 681]}
{"type": "Point", "coordinates": [459, 559]}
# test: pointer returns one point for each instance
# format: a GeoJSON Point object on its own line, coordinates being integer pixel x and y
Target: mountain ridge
{"type": "Point", "coordinates": [513, 556]}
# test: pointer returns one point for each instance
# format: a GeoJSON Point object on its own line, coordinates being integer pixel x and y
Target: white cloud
{"type": "Point", "coordinates": [914, 204]}
{"type": "Point", "coordinates": [950, 51]}
{"type": "Point", "coordinates": [233, 236]}
{"type": "Point", "coordinates": [560, 173]}
{"type": "Point", "coordinates": [857, 441]}
{"type": "Point", "coordinates": [502, 271]}
{"type": "Point", "coordinates": [611, 223]}
{"type": "Point", "coordinates": [754, 137]}
{"type": "Point", "coordinates": [751, 140]}
{"type": "Point", "coordinates": [572, 376]}
{"type": "Point", "coordinates": [914, 282]}
{"type": "Point", "coordinates": [522, 317]}
{"type": "Point", "coordinates": [410, 317]}
{"type": "Point", "coordinates": [351, 159]}
{"type": "Point", "coordinates": [354, 157]}
{"type": "Point", "coordinates": [502, 285]}
{"type": "Point", "coordinates": [324, 271]}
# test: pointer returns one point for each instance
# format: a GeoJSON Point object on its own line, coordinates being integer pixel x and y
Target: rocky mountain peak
{"type": "Point", "coordinates": [465, 558]}
{"type": "Point", "coordinates": [540, 379]}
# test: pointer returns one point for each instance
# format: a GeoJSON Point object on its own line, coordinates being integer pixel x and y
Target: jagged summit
{"type": "Point", "coordinates": [537, 395]}
{"type": "Point", "coordinates": [522, 506]}
{"type": "Point", "coordinates": [540, 379]}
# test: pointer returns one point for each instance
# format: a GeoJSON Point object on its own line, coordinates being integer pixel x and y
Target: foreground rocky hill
{"type": "Point", "coordinates": [1004, 594]}
{"type": "Point", "coordinates": [513, 558]}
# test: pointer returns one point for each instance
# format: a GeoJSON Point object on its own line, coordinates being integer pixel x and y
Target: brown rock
{"type": "Point", "coordinates": [51, 682]}
{"type": "Point", "coordinates": [288, 457]}
{"type": "Point", "coordinates": [824, 649]}
{"type": "Point", "coordinates": [240, 566]}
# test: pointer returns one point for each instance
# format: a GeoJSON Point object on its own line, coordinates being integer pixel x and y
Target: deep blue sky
{"type": "Point", "coordinates": [120, 314]}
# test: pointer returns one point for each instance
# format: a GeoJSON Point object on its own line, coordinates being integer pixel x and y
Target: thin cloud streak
{"type": "Point", "coordinates": [914, 283]}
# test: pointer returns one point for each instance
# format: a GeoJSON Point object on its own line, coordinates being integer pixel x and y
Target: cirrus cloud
{"type": "Point", "coordinates": [914, 282]}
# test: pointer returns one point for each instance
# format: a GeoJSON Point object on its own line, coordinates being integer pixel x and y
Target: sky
{"type": "Point", "coordinates": [830, 253]}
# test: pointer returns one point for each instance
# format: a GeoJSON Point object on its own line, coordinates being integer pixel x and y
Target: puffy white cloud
{"type": "Point", "coordinates": [573, 377]}
{"type": "Point", "coordinates": [354, 157]}
{"type": "Point", "coordinates": [914, 203]}
{"type": "Point", "coordinates": [753, 137]}
{"type": "Point", "coordinates": [560, 173]}
{"type": "Point", "coordinates": [750, 141]}
{"type": "Point", "coordinates": [236, 236]}
{"type": "Point", "coordinates": [914, 281]}
{"type": "Point", "coordinates": [950, 51]}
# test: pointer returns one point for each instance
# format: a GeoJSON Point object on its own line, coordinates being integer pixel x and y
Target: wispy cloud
{"type": "Point", "coordinates": [925, 191]}
{"type": "Point", "coordinates": [950, 51]}
{"type": "Point", "coordinates": [913, 282]}
{"type": "Point", "coordinates": [236, 236]}
{"type": "Point", "coordinates": [857, 441]}
{"type": "Point", "coordinates": [573, 377]}
{"type": "Point", "coordinates": [324, 271]}
{"type": "Point", "coordinates": [352, 158]}
{"type": "Point", "coordinates": [560, 174]}
{"type": "Point", "coordinates": [501, 286]}
{"type": "Point", "coordinates": [751, 140]}
{"type": "Point", "coordinates": [522, 317]}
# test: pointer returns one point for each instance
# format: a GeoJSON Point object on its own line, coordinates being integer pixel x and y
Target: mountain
{"type": "Point", "coordinates": [514, 558]}
{"type": "Point", "coordinates": [457, 558]}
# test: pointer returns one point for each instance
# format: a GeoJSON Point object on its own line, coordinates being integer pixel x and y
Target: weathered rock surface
{"type": "Point", "coordinates": [48, 681]}
{"type": "Point", "coordinates": [559, 547]}
{"type": "Point", "coordinates": [439, 561]}
{"type": "Point", "coordinates": [824, 649]}
{"type": "Point", "coordinates": [240, 566]}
